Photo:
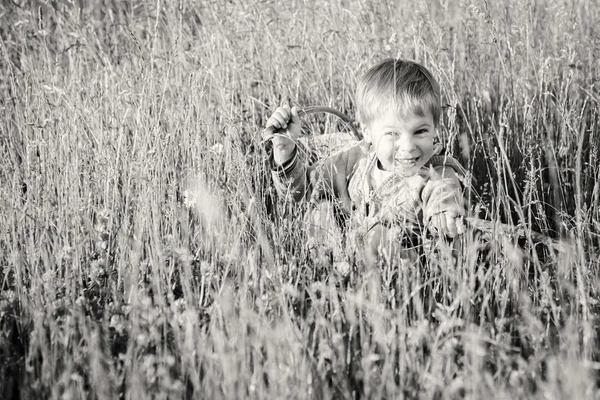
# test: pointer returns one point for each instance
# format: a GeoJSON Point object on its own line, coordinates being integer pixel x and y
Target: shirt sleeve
{"type": "Point", "coordinates": [442, 193]}
{"type": "Point", "coordinates": [309, 176]}
{"type": "Point", "coordinates": [292, 179]}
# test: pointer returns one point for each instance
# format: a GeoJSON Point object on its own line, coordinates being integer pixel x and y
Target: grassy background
{"type": "Point", "coordinates": [112, 284]}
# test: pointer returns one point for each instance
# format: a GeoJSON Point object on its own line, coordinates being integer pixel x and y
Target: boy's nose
{"type": "Point", "coordinates": [405, 144]}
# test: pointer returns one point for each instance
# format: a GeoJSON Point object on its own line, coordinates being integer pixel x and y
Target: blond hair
{"type": "Point", "coordinates": [395, 84]}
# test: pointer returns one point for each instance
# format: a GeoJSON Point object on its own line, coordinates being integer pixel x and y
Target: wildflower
{"type": "Point", "coordinates": [217, 148]}
{"type": "Point", "coordinates": [188, 199]}
{"type": "Point", "coordinates": [66, 254]}
{"type": "Point", "coordinates": [343, 268]}
{"type": "Point", "coordinates": [118, 323]}
{"type": "Point", "coordinates": [102, 221]}
{"type": "Point", "coordinates": [49, 276]}
{"type": "Point", "coordinates": [205, 201]}
{"type": "Point", "coordinates": [142, 339]}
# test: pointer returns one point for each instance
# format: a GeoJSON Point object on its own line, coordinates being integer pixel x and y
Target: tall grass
{"type": "Point", "coordinates": [144, 252]}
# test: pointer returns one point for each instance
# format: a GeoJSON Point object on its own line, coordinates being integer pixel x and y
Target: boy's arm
{"type": "Point", "coordinates": [305, 177]}
{"type": "Point", "coordinates": [294, 170]}
{"type": "Point", "coordinates": [442, 194]}
{"type": "Point", "coordinates": [293, 179]}
{"type": "Point", "coordinates": [289, 161]}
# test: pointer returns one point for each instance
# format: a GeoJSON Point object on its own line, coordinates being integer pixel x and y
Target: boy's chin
{"type": "Point", "coordinates": [404, 170]}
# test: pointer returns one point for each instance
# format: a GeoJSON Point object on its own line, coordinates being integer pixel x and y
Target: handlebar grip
{"type": "Point", "coordinates": [268, 132]}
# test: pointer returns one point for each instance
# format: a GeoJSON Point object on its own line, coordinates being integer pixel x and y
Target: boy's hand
{"type": "Point", "coordinates": [283, 128]}
{"type": "Point", "coordinates": [448, 224]}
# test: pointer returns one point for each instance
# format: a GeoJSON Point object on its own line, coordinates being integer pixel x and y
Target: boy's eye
{"type": "Point", "coordinates": [421, 131]}
{"type": "Point", "coordinates": [391, 133]}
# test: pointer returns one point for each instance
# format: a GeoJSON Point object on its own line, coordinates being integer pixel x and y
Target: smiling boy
{"type": "Point", "coordinates": [388, 187]}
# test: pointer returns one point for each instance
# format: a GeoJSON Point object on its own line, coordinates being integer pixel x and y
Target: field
{"type": "Point", "coordinates": [144, 254]}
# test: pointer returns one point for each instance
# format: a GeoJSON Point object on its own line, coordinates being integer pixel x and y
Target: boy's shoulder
{"type": "Point", "coordinates": [332, 144]}
{"type": "Point", "coordinates": [346, 155]}
{"type": "Point", "coordinates": [339, 149]}
{"type": "Point", "coordinates": [441, 161]}
{"type": "Point", "coordinates": [337, 166]}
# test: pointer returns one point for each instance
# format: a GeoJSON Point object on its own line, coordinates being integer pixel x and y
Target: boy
{"type": "Point", "coordinates": [388, 187]}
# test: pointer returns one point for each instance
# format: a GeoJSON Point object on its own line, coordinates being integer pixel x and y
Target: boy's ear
{"type": "Point", "coordinates": [366, 134]}
{"type": "Point", "coordinates": [437, 145]}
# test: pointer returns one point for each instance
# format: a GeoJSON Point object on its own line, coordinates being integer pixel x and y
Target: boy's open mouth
{"type": "Point", "coordinates": [407, 161]}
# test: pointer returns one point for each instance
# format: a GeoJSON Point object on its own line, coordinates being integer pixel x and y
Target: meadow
{"type": "Point", "coordinates": [144, 253]}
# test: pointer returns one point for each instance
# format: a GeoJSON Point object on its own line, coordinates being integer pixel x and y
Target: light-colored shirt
{"type": "Point", "coordinates": [346, 179]}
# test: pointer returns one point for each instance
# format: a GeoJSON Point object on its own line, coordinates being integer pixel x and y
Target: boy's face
{"type": "Point", "coordinates": [402, 143]}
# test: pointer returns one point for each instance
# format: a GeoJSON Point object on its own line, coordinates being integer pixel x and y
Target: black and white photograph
{"type": "Point", "coordinates": [301, 199]}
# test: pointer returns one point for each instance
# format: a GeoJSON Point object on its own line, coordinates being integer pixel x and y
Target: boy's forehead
{"type": "Point", "coordinates": [404, 116]}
